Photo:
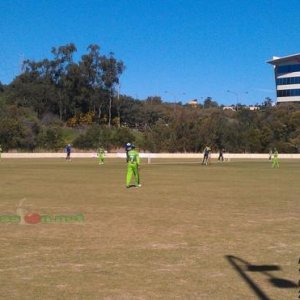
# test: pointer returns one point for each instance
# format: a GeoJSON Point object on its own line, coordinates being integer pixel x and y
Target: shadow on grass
{"type": "Point", "coordinates": [131, 186]}
{"type": "Point", "coordinates": [243, 267]}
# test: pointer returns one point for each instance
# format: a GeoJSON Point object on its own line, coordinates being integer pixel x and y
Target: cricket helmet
{"type": "Point", "coordinates": [128, 146]}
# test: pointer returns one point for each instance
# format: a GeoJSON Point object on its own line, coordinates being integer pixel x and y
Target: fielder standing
{"type": "Point", "coordinates": [206, 156]}
{"type": "Point", "coordinates": [270, 154]}
{"type": "Point", "coordinates": [68, 150]}
{"type": "Point", "coordinates": [100, 154]}
{"type": "Point", "coordinates": [133, 163]}
{"type": "Point", "coordinates": [127, 148]}
{"type": "Point", "coordinates": [275, 160]}
{"type": "Point", "coordinates": [221, 154]}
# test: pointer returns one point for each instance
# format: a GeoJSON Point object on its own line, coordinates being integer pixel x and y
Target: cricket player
{"type": "Point", "coordinates": [100, 154]}
{"type": "Point", "coordinates": [0, 151]}
{"type": "Point", "coordinates": [275, 160]}
{"type": "Point", "coordinates": [206, 155]}
{"type": "Point", "coordinates": [127, 148]}
{"type": "Point", "coordinates": [68, 150]}
{"type": "Point", "coordinates": [270, 154]}
{"type": "Point", "coordinates": [133, 162]}
{"type": "Point", "coordinates": [221, 154]}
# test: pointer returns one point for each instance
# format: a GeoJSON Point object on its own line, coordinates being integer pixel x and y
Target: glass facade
{"type": "Point", "coordinates": [289, 80]}
{"type": "Point", "coordinates": [288, 69]}
{"type": "Point", "coordinates": [287, 77]}
{"type": "Point", "coordinates": [288, 93]}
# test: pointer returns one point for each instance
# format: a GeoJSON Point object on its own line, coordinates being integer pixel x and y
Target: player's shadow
{"type": "Point", "coordinates": [131, 186]}
{"type": "Point", "coordinates": [245, 268]}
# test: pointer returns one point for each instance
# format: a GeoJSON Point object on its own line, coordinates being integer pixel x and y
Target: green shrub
{"type": "Point", "coordinates": [51, 138]}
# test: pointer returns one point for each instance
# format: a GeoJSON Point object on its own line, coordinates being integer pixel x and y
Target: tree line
{"type": "Point", "coordinates": [61, 100]}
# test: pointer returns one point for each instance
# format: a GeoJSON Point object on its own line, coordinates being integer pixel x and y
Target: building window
{"type": "Point", "coordinates": [289, 80]}
{"type": "Point", "coordinates": [288, 93]}
{"type": "Point", "coordinates": [287, 69]}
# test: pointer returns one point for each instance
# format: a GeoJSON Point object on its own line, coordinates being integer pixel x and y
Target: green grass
{"type": "Point", "coordinates": [166, 240]}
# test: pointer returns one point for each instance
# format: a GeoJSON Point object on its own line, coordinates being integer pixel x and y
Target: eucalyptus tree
{"type": "Point", "coordinates": [33, 88]}
{"type": "Point", "coordinates": [111, 70]}
{"type": "Point", "coordinates": [93, 88]}
{"type": "Point", "coordinates": [63, 58]}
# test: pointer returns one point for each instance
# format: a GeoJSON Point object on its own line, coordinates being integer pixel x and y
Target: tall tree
{"type": "Point", "coordinates": [93, 87]}
{"type": "Point", "coordinates": [209, 103]}
{"type": "Point", "coordinates": [112, 69]}
{"type": "Point", "coordinates": [63, 57]}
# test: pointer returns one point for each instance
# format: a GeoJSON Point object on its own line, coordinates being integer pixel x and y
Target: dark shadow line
{"type": "Point", "coordinates": [253, 286]}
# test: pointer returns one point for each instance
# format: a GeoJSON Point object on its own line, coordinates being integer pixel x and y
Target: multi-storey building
{"type": "Point", "coordinates": [287, 78]}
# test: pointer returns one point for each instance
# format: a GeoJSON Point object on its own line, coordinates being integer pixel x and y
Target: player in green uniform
{"type": "Point", "coordinates": [133, 162]}
{"type": "Point", "coordinates": [275, 160]}
{"type": "Point", "coordinates": [100, 154]}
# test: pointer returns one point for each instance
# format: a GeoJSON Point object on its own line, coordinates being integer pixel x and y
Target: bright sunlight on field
{"type": "Point", "coordinates": [225, 231]}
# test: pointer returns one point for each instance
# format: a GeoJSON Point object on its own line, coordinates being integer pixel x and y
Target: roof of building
{"type": "Point", "coordinates": [278, 60]}
{"type": "Point", "coordinates": [193, 102]}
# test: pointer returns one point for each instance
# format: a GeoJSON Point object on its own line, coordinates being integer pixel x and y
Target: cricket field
{"type": "Point", "coordinates": [71, 230]}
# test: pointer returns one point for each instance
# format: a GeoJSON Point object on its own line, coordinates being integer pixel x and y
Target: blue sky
{"type": "Point", "coordinates": [189, 48]}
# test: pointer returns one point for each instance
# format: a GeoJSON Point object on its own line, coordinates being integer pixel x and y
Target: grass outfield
{"type": "Point", "coordinates": [225, 231]}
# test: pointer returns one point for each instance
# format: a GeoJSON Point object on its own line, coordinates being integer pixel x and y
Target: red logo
{"type": "Point", "coordinates": [33, 218]}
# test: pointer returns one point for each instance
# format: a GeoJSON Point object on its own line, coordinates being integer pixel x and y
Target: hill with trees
{"type": "Point", "coordinates": [61, 100]}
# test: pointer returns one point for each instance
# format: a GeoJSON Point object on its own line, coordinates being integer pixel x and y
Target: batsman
{"type": "Point", "coordinates": [133, 162]}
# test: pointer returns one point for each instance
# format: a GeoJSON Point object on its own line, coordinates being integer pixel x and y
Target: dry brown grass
{"type": "Point", "coordinates": [166, 240]}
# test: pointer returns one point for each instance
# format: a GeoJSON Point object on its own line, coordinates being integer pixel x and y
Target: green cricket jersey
{"type": "Point", "coordinates": [133, 157]}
